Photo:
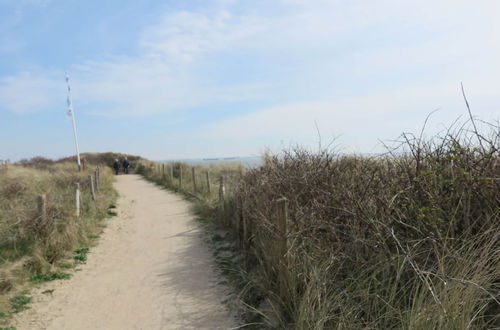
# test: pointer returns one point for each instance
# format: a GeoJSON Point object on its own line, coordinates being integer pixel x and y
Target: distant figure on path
{"type": "Point", "coordinates": [126, 165]}
{"type": "Point", "coordinates": [116, 166]}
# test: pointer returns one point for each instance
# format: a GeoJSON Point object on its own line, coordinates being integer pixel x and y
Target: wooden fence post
{"type": "Point", "coordinates": [77, 199]}
{"type": "Point", "coordinates": [237, 219]}
{"type": "Point", "coordinates": [222, 191]}
{"type": "Point", "coordinates": [83, 164]}
{"type": "Point", "coordinates": [42, 208]}
{"type": "Point", "coordinates": [96, 178]}
{"type": "Point", "coordinates": [171, 174]}
{"type": "Point", "coordinates": [180, 176]}
{"type": "Point", "coordinates": [194, 179]}
{"type": "Point", "coordinates": [243, 224]}
{"type": "Point", "coordinates": [163, 172]}
{"type": "Point", "coordinates": [282, 221]}
{"type": "Point", "coordinates": [208, 182]}
{"type": "Point", "coordinates": [97, 183]}
{"type": "Point", "coordinates": [92, 191]}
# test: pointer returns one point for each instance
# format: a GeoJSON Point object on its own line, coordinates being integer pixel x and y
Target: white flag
{"type": "Point", "coordinates": [68, 99]}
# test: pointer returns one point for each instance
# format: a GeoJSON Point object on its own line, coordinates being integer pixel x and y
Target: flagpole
{"type": "Point", "coordinates": [71, 113]}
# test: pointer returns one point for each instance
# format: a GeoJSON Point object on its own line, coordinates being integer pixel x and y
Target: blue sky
{"type": "Point", "coordinates": [189, 79]}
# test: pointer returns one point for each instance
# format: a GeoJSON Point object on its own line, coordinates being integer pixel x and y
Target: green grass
{"type": "Point", "coordinates": [81, 255]}
{"type": "Point", "coordinates": [40, 278]}
{"type": "Point", "coordinates": [112, 213]}
{"type": "Point", "coordinates": [66, 265]}
{"type": "Point", "coordinates": [5, 316]}
{"type": "Point", "coordinates": [19, 302]}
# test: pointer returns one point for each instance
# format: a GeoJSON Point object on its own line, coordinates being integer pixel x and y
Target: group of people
{"type": "Point", "coordinates": [125, 164]}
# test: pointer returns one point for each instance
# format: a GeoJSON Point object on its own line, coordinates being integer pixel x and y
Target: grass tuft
{"type": "Point", "coordinates": [19, 302]}
{"type": "Point", "coordinates": [81, 255]}
{"type": "Point", "coordinates": [40, 278]}
{"type": "Point", "coordinates": [112, 213]}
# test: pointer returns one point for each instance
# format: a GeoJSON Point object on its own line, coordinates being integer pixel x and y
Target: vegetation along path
{"type": "Point", "coordinates": [150, 270]}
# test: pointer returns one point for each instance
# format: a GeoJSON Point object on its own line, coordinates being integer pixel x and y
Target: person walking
{"type": "Point", "coordinates": [116, 166]}
{"type": "Point", "coordinates": [126, 165]}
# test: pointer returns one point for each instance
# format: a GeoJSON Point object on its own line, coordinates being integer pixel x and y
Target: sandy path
{"type": "Point", "coordinates": [150, 270]}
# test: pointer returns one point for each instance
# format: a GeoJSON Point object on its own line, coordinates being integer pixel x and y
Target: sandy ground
{"type": "Point", "coordinates": [151, 270]}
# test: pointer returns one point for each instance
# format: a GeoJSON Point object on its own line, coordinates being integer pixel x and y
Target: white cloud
{"type": "Point", "coordinates": [305, 50]}
{"type": "Point", "coordinates": [359, 121]}
{"type": "Point", "coordinates": [28, 92]}
{"type": "Point", "coordinates": [185, 36]}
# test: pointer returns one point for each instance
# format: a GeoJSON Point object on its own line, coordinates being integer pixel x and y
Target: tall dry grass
{"type": "Point", "coordinates": [29, 246]}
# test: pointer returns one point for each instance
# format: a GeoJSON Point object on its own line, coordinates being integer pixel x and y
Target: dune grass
{"type": "Point", "coordinates": [37, 250]}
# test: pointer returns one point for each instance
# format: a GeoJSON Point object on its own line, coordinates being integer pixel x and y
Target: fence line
{"type": "Point", "coordinates": [226, 183]}
{"type": "Point", "coordinates": [208, 182]}
{"type": "Point", "coordinates": [93, 183]}
{"type": "Point", "coordinates": [92, 190]}
{"type": "Point", "coordinates": [194, 179]}
{"type": "Point", "coordinates": [77, 200]}
{"type": "Point", "coordinates": [42, 208]}
{"type": "Point", "coordinates": [222, 193]}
